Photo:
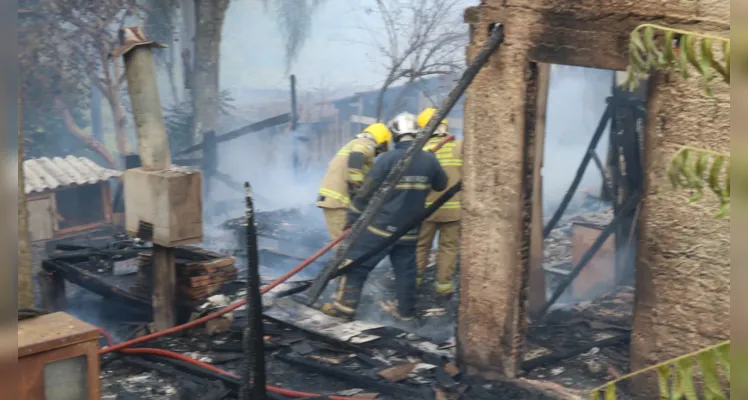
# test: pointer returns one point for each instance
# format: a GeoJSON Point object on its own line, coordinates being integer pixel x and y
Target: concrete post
{"type": "Point", "coordinates": [140, 70]}
{"type": "Point", "coordinates": [153, 147]}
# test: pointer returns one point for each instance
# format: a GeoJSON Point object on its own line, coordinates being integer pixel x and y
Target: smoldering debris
{"type": "Point", "coordinates": [294, 231]}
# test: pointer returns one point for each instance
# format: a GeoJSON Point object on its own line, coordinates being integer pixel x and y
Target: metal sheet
{"type": "Point", "coordinates": [45, 173]}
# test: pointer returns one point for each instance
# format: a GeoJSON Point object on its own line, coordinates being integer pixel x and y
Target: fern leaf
{"type": "Point", "coordinates": [651, 49]}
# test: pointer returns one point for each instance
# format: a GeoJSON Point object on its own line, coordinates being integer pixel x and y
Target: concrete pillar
{"type": "Point", "coordinates": [683, 270]}
{"type": "Point", "coordinates": [495, 236]}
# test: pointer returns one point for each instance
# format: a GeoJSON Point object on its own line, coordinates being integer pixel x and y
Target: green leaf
{"type": "Point", "coordinates": [714, 173]}
{"type": "Point", "coordinates": [685, 373]}
{"type": "Point", "coordinates": [663, 374]}
{"type": "Point", "coordinates": [701, 164]}
{"type": "Point", "coordinates": [723, 354]}
{"type": "Point", "coordinates": [610, 392]}
{"type": "Point", "coordinates": [708, 363]}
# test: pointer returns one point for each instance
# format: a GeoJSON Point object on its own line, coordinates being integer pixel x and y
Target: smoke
{"type": "Point", "coordinates": [267, 161]}
{"type": "Point", "coordinates": [576, 102]}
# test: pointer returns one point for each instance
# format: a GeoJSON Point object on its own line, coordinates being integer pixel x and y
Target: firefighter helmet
{"type": "Point", "coordinates": [403, 124]}
{"type": "Point", "coordinates": [425, 116]}
{"type": "Point", "coordinates": [379, 132]}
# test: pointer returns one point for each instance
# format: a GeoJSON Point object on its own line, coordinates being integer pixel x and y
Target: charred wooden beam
{"type": "Point", "coordinates": [254, 127]}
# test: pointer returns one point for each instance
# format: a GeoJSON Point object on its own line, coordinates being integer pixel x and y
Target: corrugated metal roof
{"type": "Point", "coordinates": [44, 173]}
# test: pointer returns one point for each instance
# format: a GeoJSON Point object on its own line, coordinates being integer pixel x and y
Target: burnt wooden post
{"type": "Point", "coordinates": [294, 108]}
{"type": "Point", "coordinates": [161, 202]}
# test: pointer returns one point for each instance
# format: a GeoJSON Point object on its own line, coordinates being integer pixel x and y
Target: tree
{"type": "Point", "coordinates": [418, 39]}
{"type": "Point", "coordinates": [65, 50]}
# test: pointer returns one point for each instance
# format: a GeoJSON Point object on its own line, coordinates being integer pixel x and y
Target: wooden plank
{"type": "Point", "coordinates": [537, 295]}
{"type": "Point", "coordinates": [164, 287]}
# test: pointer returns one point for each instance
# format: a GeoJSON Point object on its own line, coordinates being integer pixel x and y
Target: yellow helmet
{"type": "Point", "coordinates": [380, 132]}
{"type": "Point", "coordinates": [425, 116]}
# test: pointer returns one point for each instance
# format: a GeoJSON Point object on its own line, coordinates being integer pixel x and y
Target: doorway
{"type": "Point", "coordinates": [590, 183]}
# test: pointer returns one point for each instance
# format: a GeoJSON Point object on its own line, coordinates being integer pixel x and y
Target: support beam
{"type": "Point", "coordinates": [164, 288]}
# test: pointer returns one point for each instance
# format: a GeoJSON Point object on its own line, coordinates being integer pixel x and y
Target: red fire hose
{"type": "Point", "coordinates": [122, 347]}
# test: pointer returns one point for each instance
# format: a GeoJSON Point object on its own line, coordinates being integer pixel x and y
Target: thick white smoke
{"type": "Point", "coordinates": [576, 101]}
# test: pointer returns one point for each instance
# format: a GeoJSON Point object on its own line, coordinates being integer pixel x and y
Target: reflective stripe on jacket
{"type": "Point", "coordinates": [450, 158]}
{"type": "Point", "coordinates": [347, 169]}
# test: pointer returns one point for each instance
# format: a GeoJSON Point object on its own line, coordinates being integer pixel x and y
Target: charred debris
{"type": "Point", "coordinates": [579, 345]}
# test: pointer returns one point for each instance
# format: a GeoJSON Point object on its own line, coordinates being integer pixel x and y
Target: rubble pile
{"type": "Point", "coordinates": [390, 367]}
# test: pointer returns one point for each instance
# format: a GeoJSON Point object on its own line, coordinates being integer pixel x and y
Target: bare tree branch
{"type": "Point", "coordinates": [422, 38]}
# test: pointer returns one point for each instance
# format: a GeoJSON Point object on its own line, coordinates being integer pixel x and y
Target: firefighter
{"type": "Point", "coordinates": [406, 200]}
{"type": "Point", "coordinates": [346, 172]}
{"type": "Point", "coordinates": [446, 220]}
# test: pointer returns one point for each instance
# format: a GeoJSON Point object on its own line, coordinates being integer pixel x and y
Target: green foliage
{"type": "Point", "coordinates": [654, 47]}
{"type": "Point", "coordinates": [697, 169]}
{"type": "Point", "coordinates": [676, 377]}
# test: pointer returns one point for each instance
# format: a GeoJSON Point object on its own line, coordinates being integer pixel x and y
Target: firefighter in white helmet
{"type": "Point", "coordinates": [346, 172]}
{"type": "Point", "coordinates": [446, 220]}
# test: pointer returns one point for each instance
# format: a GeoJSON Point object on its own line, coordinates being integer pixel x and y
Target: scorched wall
{"type": "Point", "coordinates": [684, 266]}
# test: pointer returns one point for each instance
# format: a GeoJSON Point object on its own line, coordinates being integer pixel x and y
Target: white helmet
{"type": "Point", "coordinates": [403, 124]}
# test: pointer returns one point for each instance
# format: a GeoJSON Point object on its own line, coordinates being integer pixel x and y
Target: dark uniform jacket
{"type": "Point", "coordinates": [409, 195]}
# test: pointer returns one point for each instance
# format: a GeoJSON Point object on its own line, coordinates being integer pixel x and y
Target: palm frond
{"type": "Point", "coordinates": [653, 47]}
{"type": "Point", "coordinates": [697, 169]}
{"type": "Point", "coordinates": [676, 376]}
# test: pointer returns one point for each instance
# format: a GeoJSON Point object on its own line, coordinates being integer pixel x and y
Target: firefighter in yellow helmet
{"type": "Point", "coordinates": [346, 172]}
{"type": "Point", "coordinates": [446, 220]}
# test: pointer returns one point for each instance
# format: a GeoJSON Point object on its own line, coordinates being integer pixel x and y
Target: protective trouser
{"type": "Point", "coordinates": [446, 255]}
{"type": "Point", "coordinates": [335, 219]}
{"type": "Point", "coordinates": [403, 258]}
